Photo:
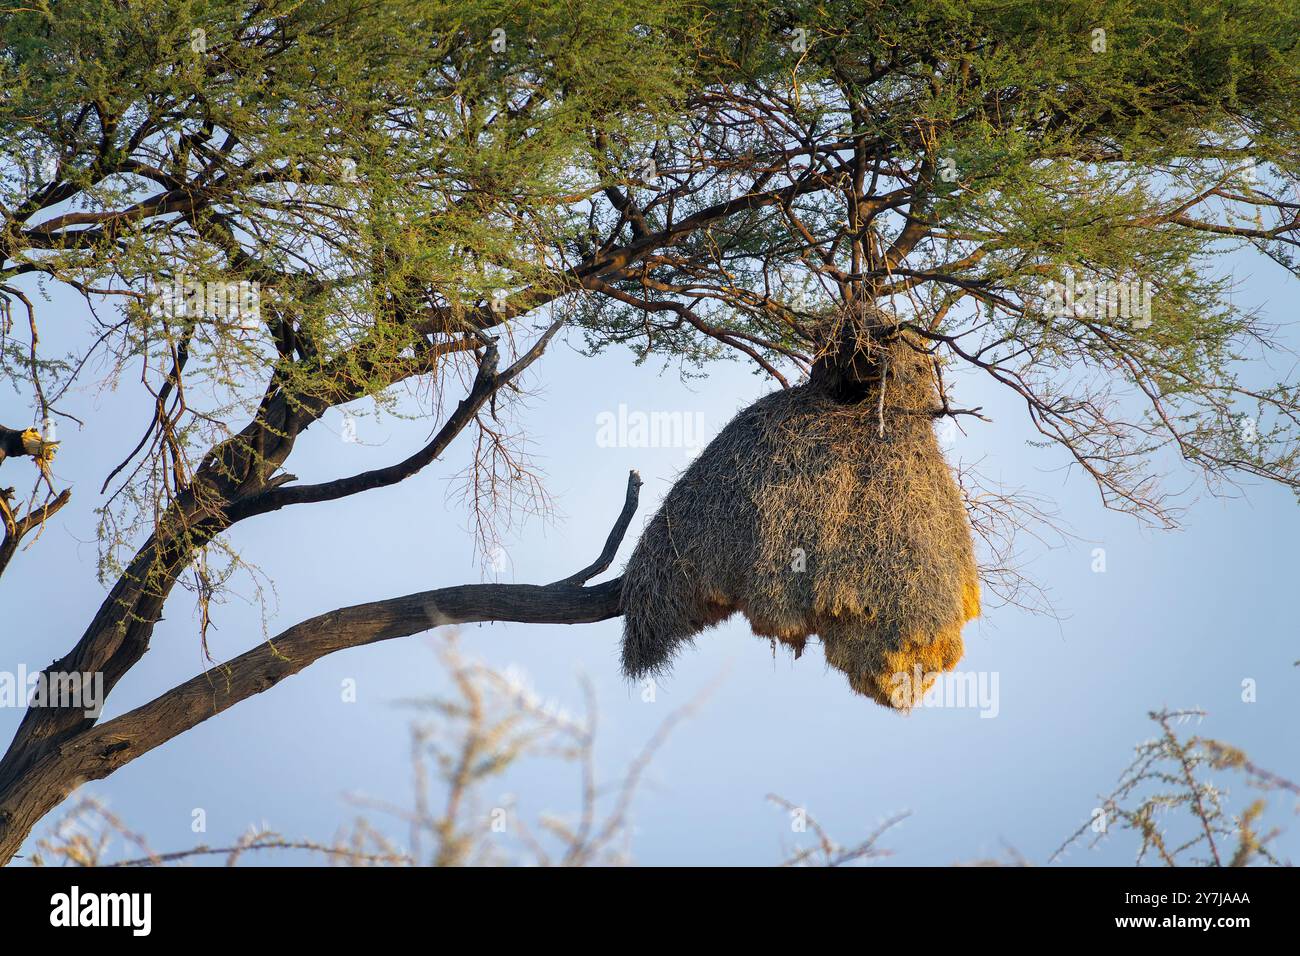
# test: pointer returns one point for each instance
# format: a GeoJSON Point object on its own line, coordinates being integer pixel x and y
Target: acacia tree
{"type": "Point", "coordinates": [420, 193]}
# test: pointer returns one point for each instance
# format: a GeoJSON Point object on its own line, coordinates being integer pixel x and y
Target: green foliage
{"type": "Point", "coordinates": [378, 171]}
{"type": "Point", "coordinates": [973, 154]}
{"type": "Point", "coordinates": [695, 180]}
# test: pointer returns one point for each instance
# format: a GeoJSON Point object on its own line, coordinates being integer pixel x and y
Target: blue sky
{"type": "Point", "coordinates": [1178, 619]}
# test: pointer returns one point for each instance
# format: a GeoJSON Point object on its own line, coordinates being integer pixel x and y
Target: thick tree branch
{"type": "Point", "coordinates": [100, 750]}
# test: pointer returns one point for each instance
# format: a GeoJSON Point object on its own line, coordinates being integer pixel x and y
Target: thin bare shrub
{"type": "Point", "coordinates": [1181, 817]}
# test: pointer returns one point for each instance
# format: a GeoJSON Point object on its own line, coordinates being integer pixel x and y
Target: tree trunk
{"type": "Point", "coordinates": [42, 769]}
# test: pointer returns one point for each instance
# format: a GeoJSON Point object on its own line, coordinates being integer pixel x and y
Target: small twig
{"type": "Point", "coordinates": [880, 405]}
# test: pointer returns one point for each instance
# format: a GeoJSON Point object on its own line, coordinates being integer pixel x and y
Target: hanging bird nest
{"type": "Point", "coordinates": [815, 515]}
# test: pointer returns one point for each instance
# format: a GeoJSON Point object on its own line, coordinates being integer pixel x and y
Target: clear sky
{"type": "Point", "coordinates": [1176, 620]}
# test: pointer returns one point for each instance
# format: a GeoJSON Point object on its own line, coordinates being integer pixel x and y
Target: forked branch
{"type": "Point", "coordinates": [101, 749]}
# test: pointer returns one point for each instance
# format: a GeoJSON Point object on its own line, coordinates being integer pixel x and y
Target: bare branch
{"type": "Point", "coordinates": [615, 536]}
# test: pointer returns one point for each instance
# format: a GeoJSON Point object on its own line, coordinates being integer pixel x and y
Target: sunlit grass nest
{"type": "Point", "coordinates": [804, 518]}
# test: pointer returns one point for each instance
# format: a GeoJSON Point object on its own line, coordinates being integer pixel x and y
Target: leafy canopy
{"type": "Point", "coordinates": [403, 181]}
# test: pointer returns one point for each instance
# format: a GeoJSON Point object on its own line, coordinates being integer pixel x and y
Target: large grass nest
{"type": "Point", "coordinates": [815, 515]}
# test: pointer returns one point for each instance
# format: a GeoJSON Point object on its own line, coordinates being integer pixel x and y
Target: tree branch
{"type": "Point", "coordinates": [615, 537]}
{"type": "Point", "coordinates": [98, 751]}
{"type": "Point", "coordinates": [16, 528]}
